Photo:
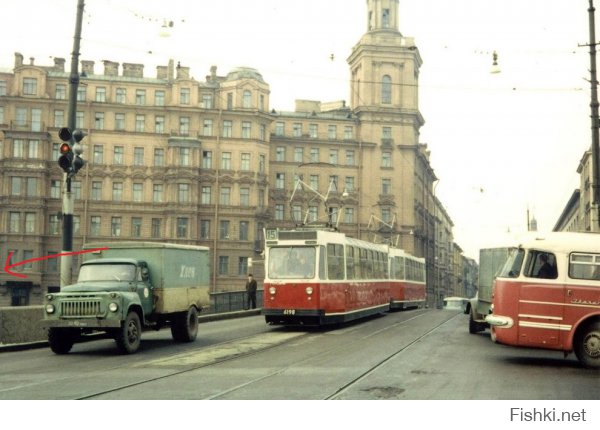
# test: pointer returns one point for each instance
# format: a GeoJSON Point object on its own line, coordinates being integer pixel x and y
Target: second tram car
{"type": "Point", "coordinates": [319, 276]}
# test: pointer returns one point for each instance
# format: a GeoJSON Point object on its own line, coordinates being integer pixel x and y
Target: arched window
{"type": "Point", "coordinates": [386, 90]}
{"type": "Point", "coordinates": [247, 100]}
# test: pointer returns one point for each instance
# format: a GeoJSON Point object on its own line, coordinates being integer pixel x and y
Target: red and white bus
{"type": "Point", "coordinates": [548, 295]}
{"type": "Point", "coordinates": [321, 276]}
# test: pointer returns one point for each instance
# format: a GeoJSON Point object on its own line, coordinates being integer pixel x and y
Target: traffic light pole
{"type": "Point", "coordinates": [66, 261]}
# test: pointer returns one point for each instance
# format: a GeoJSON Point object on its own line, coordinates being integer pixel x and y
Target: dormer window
{"type": "Point", "coordinates": [385, 18]}
{"type": "Point", "coordinates": [29, 86]}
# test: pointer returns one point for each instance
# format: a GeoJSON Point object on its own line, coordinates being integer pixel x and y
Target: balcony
{"type": "Point", "coordinates": [184, 138]}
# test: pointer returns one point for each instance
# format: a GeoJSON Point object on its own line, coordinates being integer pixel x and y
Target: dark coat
{"type": "Point", "coordinates": [251, 286]}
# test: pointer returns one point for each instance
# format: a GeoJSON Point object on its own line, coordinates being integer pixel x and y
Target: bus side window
{"type": "Point", "coordinates": [584, 266]}
{"type": "Point", "coordinates": [541, 265]}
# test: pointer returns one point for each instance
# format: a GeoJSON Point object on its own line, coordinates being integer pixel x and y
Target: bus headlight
{"type": "Point", "coordinates": [113, 307]}
{"type": "Point", "coordinates": [309, 290]}
{"type": "Point", "coordinates": [50, 308]}
{"type": "Point", "coordinates": [272, 290]}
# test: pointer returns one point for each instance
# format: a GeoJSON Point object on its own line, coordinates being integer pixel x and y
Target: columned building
{"type": "Point", "coordinates": [171, 158]}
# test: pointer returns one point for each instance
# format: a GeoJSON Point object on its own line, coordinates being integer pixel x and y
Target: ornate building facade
{"type": "Point", "coordinates": [171, 158]}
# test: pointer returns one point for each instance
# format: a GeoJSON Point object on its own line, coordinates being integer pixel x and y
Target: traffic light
{"type": "Point", "coordinates": [71, 149]}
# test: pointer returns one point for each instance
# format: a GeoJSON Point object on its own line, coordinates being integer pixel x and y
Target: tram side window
{"type": "Point", "coordinates": [400, 268]}
{"type": "Point", "coordinates": [350, 262]}
{"type": "Point", "coordinates": [335, 261]}
{"type": "Point", "coordinates": [584, 266]}
{"type": "Point", "coordinates": [541, 264]}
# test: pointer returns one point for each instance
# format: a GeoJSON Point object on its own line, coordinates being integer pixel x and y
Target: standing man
{"type": "Point", "coordinates": [251, 292]}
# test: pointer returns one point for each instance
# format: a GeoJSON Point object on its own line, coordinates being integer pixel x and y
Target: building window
{"type": "Point", "coordinates": [244, 228]}
{"type": "Point", "coordinates": [314, 155]}
{"type": "Point", "coordinates": [242, 266]}
{"type": "Point", "coordinates": [136, 227]}
{"type": "Point", "coordinates": [348, 132]}
{"type": "Point", "coordinates": [386, 215]}
{"type": "Point", "coordinates": [156, 227]}
{"type": "Point", "coordinates": [280, 153]}
{"type": "Point", "coordinates": [99, 121]}
{"type": "Point", "coordinates": [137, 192]}
{"type": "Point", "coordinates": [52, 263]}
{"type": "Point", "coordinates": [117, 191]}
{"type": "Point", "coordinates": [207, 128]}
{"type": "Point", "coordinates": [229, 101]}
{"type": "Point", "coordinates": [79, 119]}
{"type": "Point", "coordinates": [95, 225]}
{"type": "Point", "coordinates": [159, 98]}
{"type": "Point", "coordinates": [33, 148]}
{"type": "Point", "coordinates": [297, 129]}
{"type": "Point", "coordinates": [207, 159]}
{"type": "Point", "coordinates": [349, 215]}
{"type": "Point", "coordinates": [59, 118]}
{"type": "Point", "coordinates": [280, 181]}
{"type": "Point", "coordinates": [60, 93]}
{"type": "Point", "coordinates": [76, 190]}
{"type": "Point", "coordinates": [121, 95]}
{"type": "Point", "coordinates": [226, 161]}
{"type": "Point", "coordinates": [55, 151]}
{"type": "Point", "coordinates": [100, 94]}
{"type": "Point", "coordinates": [159, 157]}
{"type": "Point", "coordinates": [298, 155]}
{"type": "Point", "coordinates": [246, 129]}
{"type": "Point", "coordinates": [96, 190]}
{"type": "Point", "coordinates": [386, 132]}
{"type": "Point", "coordinates": [333, 156]}
{"type": "Point", "coordinates": [245, 162]}
{"type": "Point", "coordinates": [261, 163]}
{"type": "Point", "coordinates": [140, 97]}
{"type": "Point", "coordinates": [385, 18]}
{"type": "Point", "coordinates": [225, 196]}
{"type": "Point", "coordinates": [184, 126]}
{"type": "Point", "coordinates": [138, 156]}
{"type": "Point", "coordinates": [118, 152]}
{"type": "Point", "coordinates": [115, 226]}
{"type": "Point", "coordinates": [279, 128]}
{"type": "Point", "coordinates": [314, 182]}
{"type": "Point", "coordinates": [279, 212]}
{"type": "Point", "coordinates": [98, 154]}
{"type": "Point", "coordinates": [206, 196]}
{"type": "Point", "coordinates": [53, 224]}
{"type": "Point", "coordinates": [227, 128]}
{"type": "Point", "coordinates": [386, 90]}
{"type": "Point", "coordinates": [54, 189]}
{"type": "Point", "coordinates": [140, 123]}
{"type": "Point", "coordinates": [247, 99]}
{"type": "Point", "coordinates": [386, 186]}
{"type": "Point", "coordinates": [120, 121]}
{"type": "Point", "coordinates": [223, 265]}
{"type": "Point", "coordinates": [244, 196]}
{"type": "Point", "coordinates": [14, 222]}
{"type": "Point", "coordinates": [157, 193]}
{"type": "Point", "coordinates": [81, 93]}
{"type": "Point", "coordinates": [313, 131]}
{"type": "Point", "coordinates": [184, 96]}
{"type": "Point", "coordinates": [332, 132]}
{"type": "Point", "coordinates": [159, 124]}
{"type": "Point", "coordinates": [263, 132]}
{"type": "Point", "coordinates": [184, 156]}
{"type": "Point", "coordinates": [204, 229]}
{"type": "Point", "coordinates": [182, 228]}
{"type": "Point", "coordinates": [30, 86]}
{"type": "Point", "coordinates": [207, 101]}
{"type": "Point", "coordinates": [312, 213]}
{"type": "Point", "coordinates": [333, 182]}
{"type": "Point", "coordinates": [183, 193]}
{"type": "Point", "coordinates": [350, 159]}
{"type": "Point", "coordinates": [297, 213]}
{"type": "Point", "coordinates": [349, 184]}
{"type": "Point", "coordinates": [386, 159]}
{"type": "Point", "coordinates": [224, 230]}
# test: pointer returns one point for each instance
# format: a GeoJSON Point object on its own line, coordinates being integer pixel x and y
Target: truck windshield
{"type": "Point", "coordinates": [291, 262]}
{"type": "Point", "coordinates": [106, 272]}
{"type": "Point", "coordinates": [512, 267]}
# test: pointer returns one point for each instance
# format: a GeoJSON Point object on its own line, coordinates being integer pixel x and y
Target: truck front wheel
{"type": "Point", "coordinates": [61, 340]}
{"type": "Point", "coordinates": [587, 345]}
{"type": "Point", "coordinates": [130, 334]}
{"type": "Point", "coordinates": [185, 326]}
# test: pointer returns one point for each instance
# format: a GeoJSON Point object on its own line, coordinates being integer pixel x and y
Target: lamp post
{"type": "Point", "coordinates": [595, 224]}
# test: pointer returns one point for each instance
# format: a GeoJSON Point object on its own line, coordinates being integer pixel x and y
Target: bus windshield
{"type": "Point", "coordinates": [292, 262]}
{"type": "Point", "coordinates": [512, 267]}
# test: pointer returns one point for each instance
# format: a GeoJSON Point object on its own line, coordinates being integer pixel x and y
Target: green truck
{"type": "Point", "coordinates": [128, 287]}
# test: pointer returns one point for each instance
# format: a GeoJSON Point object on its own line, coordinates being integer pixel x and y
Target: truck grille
{"type": "Point", "coordinates": [88, 308]}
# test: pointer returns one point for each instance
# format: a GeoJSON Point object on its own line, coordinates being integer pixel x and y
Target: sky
{"type": "Point", "coordinates": [503, 145]}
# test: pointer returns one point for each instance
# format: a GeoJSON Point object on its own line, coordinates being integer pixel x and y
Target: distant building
{"type": "Point", "coordinates": [171, 158]}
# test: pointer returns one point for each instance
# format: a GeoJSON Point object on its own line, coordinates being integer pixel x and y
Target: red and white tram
{"type": "Point", "coordinates": [548, 295]}
{"type": "Point", "coordinates": [320, 276]}
{"type": "Point", "coordinates": [407, 280]}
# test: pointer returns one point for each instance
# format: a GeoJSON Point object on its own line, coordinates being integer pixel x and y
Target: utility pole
{"type": "Point", "coordinates": [66, 261]}
{"type": "Point", "coordinates": [595, 218]}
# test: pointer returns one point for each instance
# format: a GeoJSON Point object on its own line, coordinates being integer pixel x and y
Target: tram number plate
{"type": "Point", "coordinates": [289, 311]}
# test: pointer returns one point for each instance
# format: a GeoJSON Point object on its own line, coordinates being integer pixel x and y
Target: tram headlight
{"type": "Point", "coordinates": [309, 290]}
{"type": "Point", "coordinates": [272, 290]}
{"type": "Point", "coordinates": [113, 307]}
{"type": "Point", "coordinates": [50, 308]}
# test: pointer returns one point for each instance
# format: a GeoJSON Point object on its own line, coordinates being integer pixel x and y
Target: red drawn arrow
{"type": "Point", "coordinates": [9, 266]}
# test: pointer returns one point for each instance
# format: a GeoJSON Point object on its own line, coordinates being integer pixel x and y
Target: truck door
{"type": "Point", "coordinates": [541, 303]}
{"type": "Point", "coordinates": [145, 289]}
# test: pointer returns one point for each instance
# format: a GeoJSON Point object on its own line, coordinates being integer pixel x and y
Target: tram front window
{"type": "Point", "coordinates": [292, 262]}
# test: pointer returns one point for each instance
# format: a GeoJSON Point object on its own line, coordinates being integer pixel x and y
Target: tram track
{"type": "Point", "coordinates": [295, 336]}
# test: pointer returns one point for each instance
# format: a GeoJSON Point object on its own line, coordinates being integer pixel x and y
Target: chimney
{"type": "Point", "coordinates": [132, 70]}
{"type": "Point", "coordinates": [18, 59]}
{"type": "Point", "coordinates": [111, 68]}
{"type": "Point", "coordinates": [162, 72]}
{"type": "Point", "coordinates": [183, 72]}
{"type": "Point", "coordinates": [31, 61]}
{"type": "Point", "coordinates": [59, 64]}
{"type": "Point", "coordinates": [87, 67]}
{"type": "Point", "coordinates": [171, 70]}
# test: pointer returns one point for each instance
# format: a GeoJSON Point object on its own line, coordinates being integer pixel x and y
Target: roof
{"type": "Point", "coordinates": [564, 242]}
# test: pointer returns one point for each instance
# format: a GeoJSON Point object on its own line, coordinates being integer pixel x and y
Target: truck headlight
{"type": "Point", "coordinates": [272, 290]}
{"type": "Point", "coordinates": [50, 308]}
{"type": "Point", "coordinates": [49, 297]}
{"type": "Point", "coordinates": [113, 307]}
